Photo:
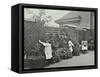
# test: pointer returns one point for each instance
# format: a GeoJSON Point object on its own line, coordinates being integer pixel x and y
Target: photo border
{"type": "Point", "coordinates": [22, 6]}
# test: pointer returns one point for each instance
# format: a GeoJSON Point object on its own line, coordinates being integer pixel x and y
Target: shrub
{"type": "Point", "coordinates": [34, 62]}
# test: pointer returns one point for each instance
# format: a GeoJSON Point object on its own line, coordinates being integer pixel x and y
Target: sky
{"type": "Point", "coordinates": [55, 14]}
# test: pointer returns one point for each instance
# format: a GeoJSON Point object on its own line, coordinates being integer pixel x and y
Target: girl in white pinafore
{"type": "Point", "coordinates": [71, 45]}
{"type": "Point", "coordinates": [47, 50]}
{"type": "Point", "coordinates": [84, 46]}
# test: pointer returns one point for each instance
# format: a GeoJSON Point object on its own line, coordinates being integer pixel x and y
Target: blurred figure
{"type": "Point", "coordinates": [84, 46]}
{"type": "Point", "coordinates": [47, 50]}
{"type": "Point", "coordinates": [71, 45]}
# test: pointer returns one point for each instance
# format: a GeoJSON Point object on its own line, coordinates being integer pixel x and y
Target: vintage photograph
{"type": "Point", "coordinates": [58, 38]}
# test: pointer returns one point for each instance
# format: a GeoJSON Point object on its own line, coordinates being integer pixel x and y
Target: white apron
{"type": "Point", "coordinates": [70, 46]}
{"type": "Point", "coordinates": [84, 45]}
{"type": "Point", "coordinates": [47, 50]}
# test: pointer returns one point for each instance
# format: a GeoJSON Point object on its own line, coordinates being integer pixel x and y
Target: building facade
{"type": "Point", "coordinates": [79, 24]}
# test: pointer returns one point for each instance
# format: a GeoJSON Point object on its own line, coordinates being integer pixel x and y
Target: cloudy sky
{"type": "Point", "coordinates": [55, 14]}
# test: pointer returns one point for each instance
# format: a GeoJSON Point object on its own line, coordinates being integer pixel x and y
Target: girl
{"type": "Point", "coordinates": [71, 45]}
{"type": "Point", "coordinates": [47, 50]}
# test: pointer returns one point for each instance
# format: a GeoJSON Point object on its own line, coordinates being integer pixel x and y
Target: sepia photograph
{"type": "Point", "coordinates": [58, 38]}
